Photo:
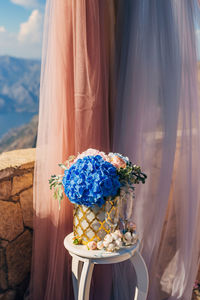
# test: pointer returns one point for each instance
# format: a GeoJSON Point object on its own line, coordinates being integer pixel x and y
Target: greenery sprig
{"type": "Point", "coordinates": [132, 174]}
{"type": "Point", "coordinates": [55, 182]}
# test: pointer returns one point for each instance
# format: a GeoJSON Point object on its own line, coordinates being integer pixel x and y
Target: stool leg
{"type": "Point", "coordinates": [86, 275]}
{"type": "Point", "coordinates": [142, 276]}
{"type": "Point", "coordinates": [76, 272]}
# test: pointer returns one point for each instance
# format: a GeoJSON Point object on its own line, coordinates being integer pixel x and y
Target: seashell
{"type": "Point", "coordinates": [92, 245]}
{"type": "Point", "coordinates": [114, 236]}
{"type": "Point", "coordinates": [118, 232]}
{"type": "Point", "coordinates": [110, 247]}
{"type": "Point", "coordinates": [108, 238]}
{"type": "Point", "coordinates": [128, 236]}
{"type": "Point", "coordinates": [105, 244]}
{"type": "Point", "coordinates": [100, 245]}
{"type": "Point", "coordinates": [134, 237]}
{"type": "Point", "coordinates": [119, 243]}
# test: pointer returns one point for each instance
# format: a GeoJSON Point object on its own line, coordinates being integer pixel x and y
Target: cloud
{"type": "Point", "coordinates": [31, 31]}
{"type": "Point", "coordinates": [10, 45]}
{"type": "Point", "coordinates": [27, 42]}
{"type": "Point", "coordinates": [26, 3]}
{"type": "Point", "coordinates": [2, 29]}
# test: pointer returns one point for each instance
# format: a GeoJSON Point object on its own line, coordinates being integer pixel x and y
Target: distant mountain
{"type": "Point", "coordinates": [23, 75]}
{"type": "Point", "coordinates": [21, 137]}
{"type": "Point", "coordinates": [19, 84]}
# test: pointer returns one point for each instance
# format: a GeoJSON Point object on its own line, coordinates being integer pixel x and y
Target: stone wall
{"type": "Point", "coordinates": [16, 209]}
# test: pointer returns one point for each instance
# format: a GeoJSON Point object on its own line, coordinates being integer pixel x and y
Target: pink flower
{"type": "Point", "coordinates": [92, 152]}
{"type": "Point", "coordinates": [117, 161]}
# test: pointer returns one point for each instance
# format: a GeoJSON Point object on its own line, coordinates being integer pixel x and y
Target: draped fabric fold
{"type": "Point", "coordinates": [150, 113]}
{"type": "Point", "coordinates": [74, 115]}
{"type": "Point", "coordinates": [157, 126]}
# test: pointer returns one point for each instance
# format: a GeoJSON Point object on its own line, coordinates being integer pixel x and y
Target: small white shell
{"type": "Point", "coordinates": [108, 238]}
{"type": "Point", "coordinates": [114, 236]}
{"type": "Point", "coordinates": [118, 243]}
{"type": "Point", "coordinates": [100, 245]}
{"type": "Point", "coordinates": [134, 237]}
{"type": "Point", "coordinates": [128, 236]}
{"type": "Point", "coordinates": [105, 244]}
{"type": "Point", "coordinates": [118, 232]}
{"type": "Point", "coordinates": [92, 245]}
{"type": "Point", "coordinates": [111, 247]}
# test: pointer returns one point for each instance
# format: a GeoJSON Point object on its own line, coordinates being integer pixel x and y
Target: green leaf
{"type": "Point", "coordinates": [76, 242]}
{"type": "Point", "coordinates": [63, 166]}
{"type": "Point", "coordinates": [55, 194]}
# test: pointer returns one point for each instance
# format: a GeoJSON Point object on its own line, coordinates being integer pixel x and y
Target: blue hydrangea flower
{"type": "Point", "coordinates": [90, 180]}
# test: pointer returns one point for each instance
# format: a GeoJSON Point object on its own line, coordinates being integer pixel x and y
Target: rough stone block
{"type": "Point", "coordinates": [4, 173]}
{"type": "Point", "coordinates": [11, 220]}
{"type": "Point", "coordinates": [29, 165]}
{"type": "Point", "coordinates": [15, 198]}
{"type": "Point", "coordinates": [9, 295]}
{"type": "Point", "coordinates": [17, 158]}
{"type": "Point", "coordinates": [3, 280]}
{"type": "Point", "coordinates": [22, 182]}
{"type": "Point", "coordinates": [2, 258]}
{"type": "Point", "coordinates": [5, 189]}
{"type": "Point", "coordinates": [26, 200]}
{"type": "Point", "coordinates": [18, 255]}
{"type": "Point", "coordinates": [3, 243]}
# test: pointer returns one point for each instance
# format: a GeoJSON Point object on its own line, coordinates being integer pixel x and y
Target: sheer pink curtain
{"type": "Point", "coordinates": [157, 126]}
{"type": "Point", "coordinates": [73, 116]}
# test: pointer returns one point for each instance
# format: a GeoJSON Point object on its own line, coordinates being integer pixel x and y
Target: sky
{"type": "Point", "coordinates": [21, 26]}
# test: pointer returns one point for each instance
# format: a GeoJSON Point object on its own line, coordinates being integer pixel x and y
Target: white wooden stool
{"type": "Point", "coordinates": [83, 261]}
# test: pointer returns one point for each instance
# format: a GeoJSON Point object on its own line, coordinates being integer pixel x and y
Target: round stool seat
{"type": "Point", "coordinates": [83, 261]}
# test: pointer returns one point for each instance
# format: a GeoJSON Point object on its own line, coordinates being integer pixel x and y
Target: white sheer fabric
{"type": "Point", "coordinates": [157, 126]}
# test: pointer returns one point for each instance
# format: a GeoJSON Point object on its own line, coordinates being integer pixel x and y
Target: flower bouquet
{"type": "Point", "coordinates": [101, 187]}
